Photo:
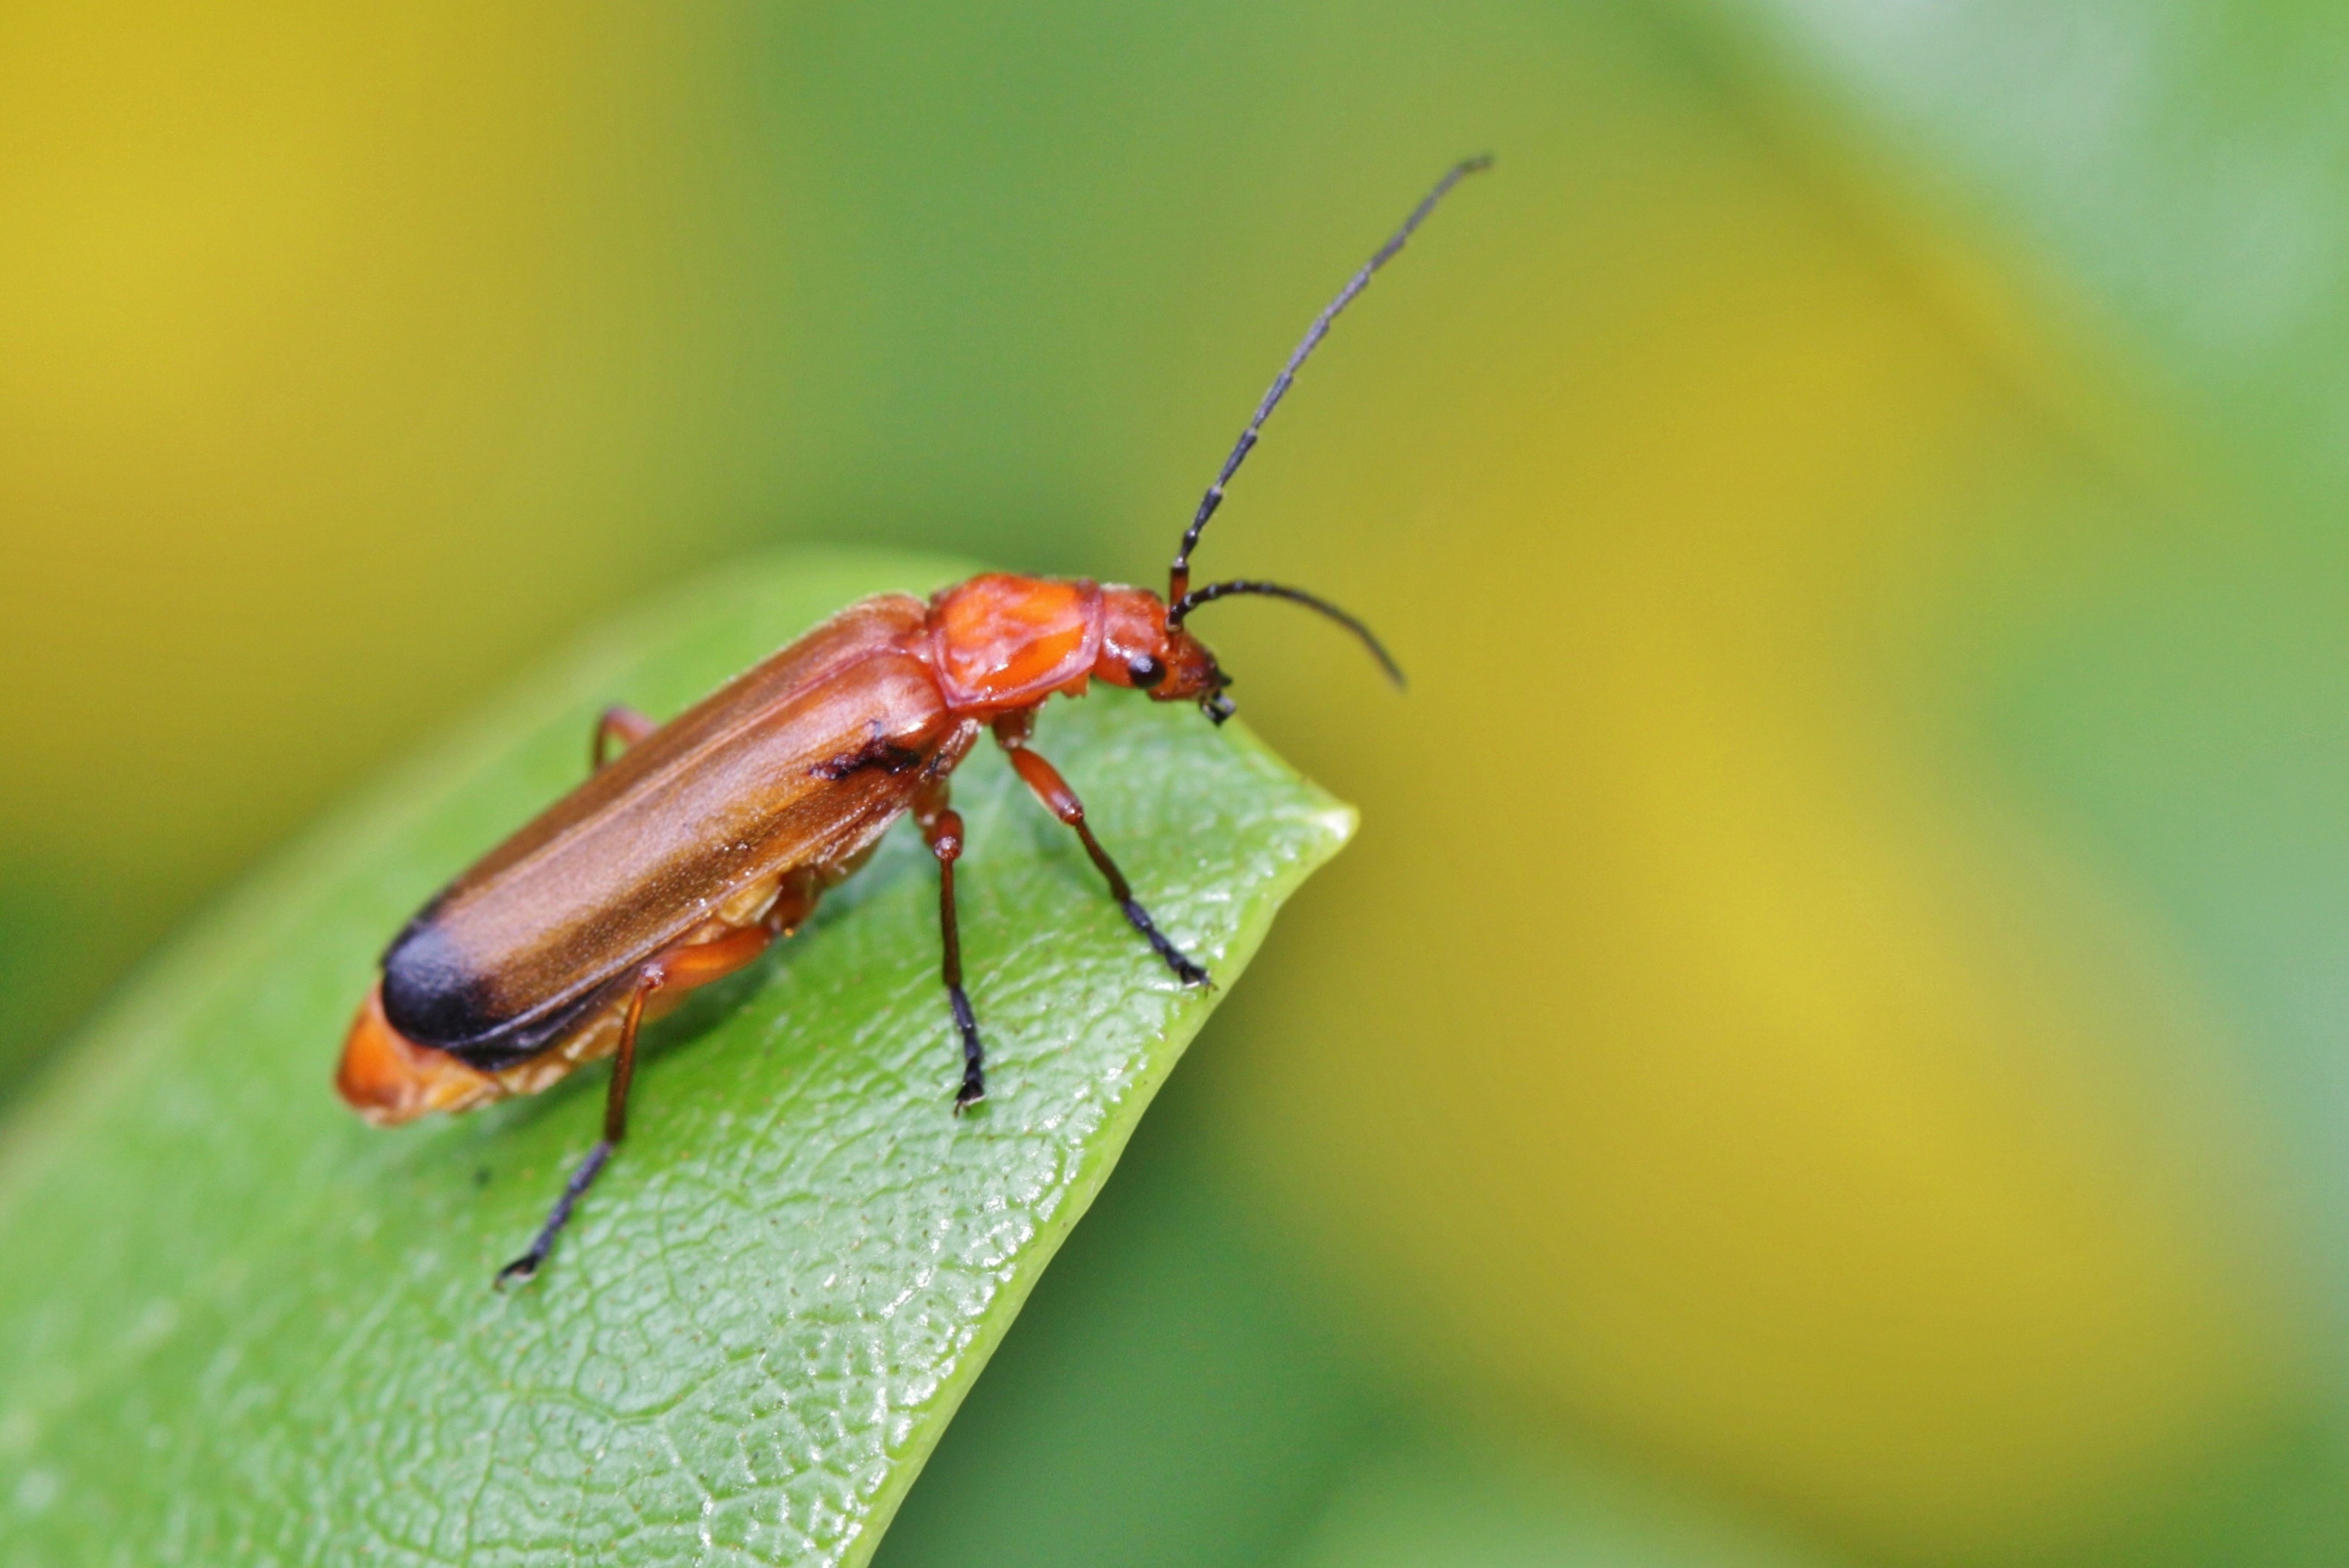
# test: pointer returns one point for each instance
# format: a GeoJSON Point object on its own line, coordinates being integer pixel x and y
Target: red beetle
{"type": "Point", "coordinates": [707, 837]}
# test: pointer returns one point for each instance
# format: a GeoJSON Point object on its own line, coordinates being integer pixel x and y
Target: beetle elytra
{"type": "Point", "coordinates": [706, 838]}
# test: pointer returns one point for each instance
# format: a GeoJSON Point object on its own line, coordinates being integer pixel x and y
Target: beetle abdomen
{"type": "Point", "coordinates": [765, 776]}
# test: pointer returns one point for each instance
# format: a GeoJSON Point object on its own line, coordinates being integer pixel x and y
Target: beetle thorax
{"type": "Point", "coordinates": [1002, 642]}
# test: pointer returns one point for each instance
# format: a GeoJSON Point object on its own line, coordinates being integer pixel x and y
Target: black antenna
{"type": "Point", "coordinates": [1178, 580]}
{"type": "Point", "coordinates": [1213, 591]}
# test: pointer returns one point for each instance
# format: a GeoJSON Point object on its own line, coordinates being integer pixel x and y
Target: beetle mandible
{"type": "Point", "coordinates": [681, 858]}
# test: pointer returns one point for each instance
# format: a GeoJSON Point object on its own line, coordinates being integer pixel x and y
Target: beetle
{"type": "Point", "coordinates": [704, 839]}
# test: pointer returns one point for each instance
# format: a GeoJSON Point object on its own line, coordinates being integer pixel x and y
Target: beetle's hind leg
{"type": "Point", "coordinates": [679, 968]}
{"type": "Point", "coordinates": [619, 723]}
{"type": "Point", "coordinates": [1012, 734]}
{"type": "Point", "coordinates": [941, 828]}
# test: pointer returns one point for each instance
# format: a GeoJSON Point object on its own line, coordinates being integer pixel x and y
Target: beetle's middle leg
{"type": "Point", "coordinates": [619, 723]}
{"type": "Point", "coordinates": [681, 969]}
{"type": "Point", "coordinates": [1011, 733]}
{"type": "Point", "coordinates": [941, 828]}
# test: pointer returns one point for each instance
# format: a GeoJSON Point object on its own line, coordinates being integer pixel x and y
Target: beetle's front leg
{"type": "Point", "coordinates": [1011, 733]}
{"type": "Point", "coordinates": [619, 723]}
{"type": "Point", "coordinates": [941, 828]}
{"type": "Point", "coordinates": [681, 968]}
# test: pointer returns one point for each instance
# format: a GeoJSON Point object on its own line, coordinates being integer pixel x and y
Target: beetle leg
{"type": "Point", "coordinates": [1012, 734]}
{"type": "Point", "coordinates": [624, 724]}
{"type": "Point", "coordinates": [681, 969]}
{"type": "Point", "coordinates": [941, 828]}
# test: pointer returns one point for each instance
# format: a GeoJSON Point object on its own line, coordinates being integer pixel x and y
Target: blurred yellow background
{"type": "Point", "coordinates": [1751, 1046]}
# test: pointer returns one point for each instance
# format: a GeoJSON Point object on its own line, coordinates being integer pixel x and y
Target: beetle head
{"type": "Point", "coordinates": [1140, 650]}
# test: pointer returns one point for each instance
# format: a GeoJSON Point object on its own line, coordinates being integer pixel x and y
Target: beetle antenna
{"type": "Point", "coordinates": [1214, 591]}
{"type": "Point", "coordinates": [1178, 581]}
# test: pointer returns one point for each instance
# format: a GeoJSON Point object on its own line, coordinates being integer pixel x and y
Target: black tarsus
{"type": "Point", "coordinates": [944, 833]}
{"type": "Point", "coordinates": [1179, 577]}
{"type": "Point", "coordinates": [615, 1127]}
{"type": "Point", "coordinates": [974, 1054]}
{"type": "Point", "coordinates": [1185, 968]}
{"type": "Point", "coordinates": [526, 1266]}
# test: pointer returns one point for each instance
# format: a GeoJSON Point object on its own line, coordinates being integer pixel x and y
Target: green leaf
{"type": "Point", "coordinates": [238, 1325]}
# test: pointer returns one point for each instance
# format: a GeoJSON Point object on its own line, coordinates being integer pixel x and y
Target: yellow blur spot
{"type": "Point", "coordinates": [324, 329]}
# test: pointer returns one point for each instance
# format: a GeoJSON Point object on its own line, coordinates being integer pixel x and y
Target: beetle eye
{"type": "Point", "coordinates": [1145, 672]}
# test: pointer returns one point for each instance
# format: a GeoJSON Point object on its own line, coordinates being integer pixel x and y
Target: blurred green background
{"type": "Point", "coordinates": [1832, 1046]}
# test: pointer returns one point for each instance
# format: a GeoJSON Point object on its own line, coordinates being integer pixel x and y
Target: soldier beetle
{"type": "Point", "coordinates": [706, 838]}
